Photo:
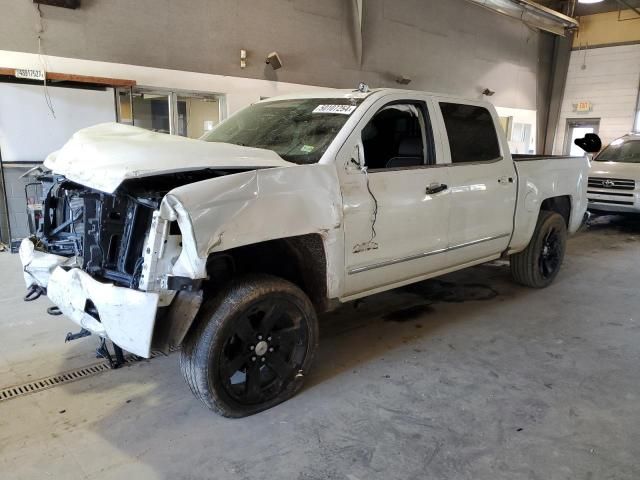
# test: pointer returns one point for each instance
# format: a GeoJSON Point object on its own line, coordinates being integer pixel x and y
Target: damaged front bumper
{"type": "Point", "coordinates": [125, 316]}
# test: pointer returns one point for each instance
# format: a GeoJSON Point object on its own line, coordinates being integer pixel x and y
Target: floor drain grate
{"type": "Point", "coordinates": [10, 393]}
{"type": "Point", "coordinates": [56, 380]}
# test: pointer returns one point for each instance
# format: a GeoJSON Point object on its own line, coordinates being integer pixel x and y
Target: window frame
{"type": "Point", "coordinates": [445, 132]}
{"type": "Point", "coordinates": [429, 151]}
{"type": "Point", "coordinates": [172, 102]}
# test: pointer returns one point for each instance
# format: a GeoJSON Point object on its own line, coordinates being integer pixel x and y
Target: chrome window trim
{"type": "Point", "coordinates": [437, 165]}
{"type": "Point", "coordinates": [477, 162]}
{"type": "Point", "coordinates": [415, 167]}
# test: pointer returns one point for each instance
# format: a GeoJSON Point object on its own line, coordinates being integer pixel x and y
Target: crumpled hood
{"type": "Point", "coordinates": [103, 156]}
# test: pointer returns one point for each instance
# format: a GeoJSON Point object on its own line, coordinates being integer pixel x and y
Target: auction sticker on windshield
{"type": "Point", "coordinates": [341, 109]}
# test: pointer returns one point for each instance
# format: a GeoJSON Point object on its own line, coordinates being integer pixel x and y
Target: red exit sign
{"type": "Point", "coordinates": [583, 107]}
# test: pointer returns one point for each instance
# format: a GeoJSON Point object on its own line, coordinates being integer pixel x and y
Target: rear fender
{"type": "Point", "coordinates": [541, 181]}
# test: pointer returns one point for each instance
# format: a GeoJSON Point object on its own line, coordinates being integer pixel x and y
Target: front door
{"type": "Point", "coordinates": [396, 209]}
{"type": "Point", "coordinates": [482, 181]}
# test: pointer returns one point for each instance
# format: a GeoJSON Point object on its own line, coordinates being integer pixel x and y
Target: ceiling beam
{"type": "Point", "coordinates": [626, 4]}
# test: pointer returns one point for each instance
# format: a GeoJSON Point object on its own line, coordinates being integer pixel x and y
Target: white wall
{"type": "Point", "coordinates": [610, 82]}
{"type": "Point", "coordinates": [28, 129]}
{"type": "Point", "coordinates": [239, 92]}
{"type": "Point", "coordinates": [29, 132]}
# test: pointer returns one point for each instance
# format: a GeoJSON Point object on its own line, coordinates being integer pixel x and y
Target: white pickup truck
{"type": "Point", "coordinates": [230, 246]}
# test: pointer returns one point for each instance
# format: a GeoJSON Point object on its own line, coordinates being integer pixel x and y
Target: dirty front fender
{"type": "Point", "coordinates": [256, 206]}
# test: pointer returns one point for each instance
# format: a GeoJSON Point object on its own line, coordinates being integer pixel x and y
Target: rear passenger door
{"type": "Point", "coordinates": [482, 181]}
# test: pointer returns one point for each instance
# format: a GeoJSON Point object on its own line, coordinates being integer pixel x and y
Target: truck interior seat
{"type": "Point", "coordinates": [410, 154]}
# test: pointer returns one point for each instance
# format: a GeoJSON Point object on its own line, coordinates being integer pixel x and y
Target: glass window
{"type": "Point", "coordinates": [189, 114]}
{"type": "Point", "coordinates": [624, 151]}
{"type": "Point", "coordinates": [471, 132]}
{"type": "Point", "coordinates": [197, 115]}
{"type": "Point", "coordinates": [124, 109]}
{"type": "Point", "coordinates": [298, 130]}
{"type": "Point", "coordinates": [395, 137]}
{"type": "Point", "coordinates": [151, 111]}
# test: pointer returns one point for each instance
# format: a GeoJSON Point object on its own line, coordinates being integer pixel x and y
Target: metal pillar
{"type": "Point", "coordinates": [5, 225]}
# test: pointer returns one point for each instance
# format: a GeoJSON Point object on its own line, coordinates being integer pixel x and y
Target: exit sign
{"type": "Point", "coordinates": [583, 107]}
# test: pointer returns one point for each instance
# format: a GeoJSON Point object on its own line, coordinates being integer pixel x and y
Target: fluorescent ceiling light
{"type": "Point", "coordinates": [531, 13]}
{"type": "Point", "coordinates": [590, 1]}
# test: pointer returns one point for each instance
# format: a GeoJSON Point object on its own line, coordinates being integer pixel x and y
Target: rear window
{"type": "Point", "coordinates": [472, 133]}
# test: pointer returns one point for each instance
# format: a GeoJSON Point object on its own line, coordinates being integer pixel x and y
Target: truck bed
{"type": "Point", "coordinates": [548, 177]}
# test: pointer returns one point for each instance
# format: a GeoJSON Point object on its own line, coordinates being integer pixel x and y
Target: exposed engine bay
{"type": "Point", "coordinates": [120, 242]}
{"type": "Point", "coordinates": [106, 233]}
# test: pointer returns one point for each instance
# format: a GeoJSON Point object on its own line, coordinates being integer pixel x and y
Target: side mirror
{"type": "Point", "coordinates": [355, 162]}
{"type": "Point", "coordinates": [591, 143]}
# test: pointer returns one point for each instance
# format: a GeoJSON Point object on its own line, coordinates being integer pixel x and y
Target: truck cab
{"type": "Point", "coordinates": [440, 183]}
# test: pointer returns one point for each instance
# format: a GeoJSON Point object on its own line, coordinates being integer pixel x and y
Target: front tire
{"type": "Point", "coordinates": [538, 264]}
{"type": "Point", "coordinates": [251, 346]}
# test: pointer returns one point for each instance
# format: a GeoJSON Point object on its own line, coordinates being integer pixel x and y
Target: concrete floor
{"type": "Point", "coordinates": [464, 377]}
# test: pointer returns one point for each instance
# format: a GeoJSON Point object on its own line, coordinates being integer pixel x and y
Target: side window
{"type": "Point", "coordinates": [396, 137]}
{"type": "Point", "coordinates": [472, 133]}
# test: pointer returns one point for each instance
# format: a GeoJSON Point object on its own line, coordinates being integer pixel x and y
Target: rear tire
{"type": "Point", "coordinates": [251, 346]}
{"type": "Point", "coordinates": [538, 264]}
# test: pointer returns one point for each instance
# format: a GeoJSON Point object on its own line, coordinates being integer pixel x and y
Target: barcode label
{"type": "Point", "coordinates": [341, 109]}
{"type": "Point", "coordinates": [30, 74]}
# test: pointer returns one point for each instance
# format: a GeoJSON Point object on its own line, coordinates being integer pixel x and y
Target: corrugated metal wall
{"type": "Point", "coordinates": [609, 80]}
{"type": "Point", "coordinates": [448, 46]}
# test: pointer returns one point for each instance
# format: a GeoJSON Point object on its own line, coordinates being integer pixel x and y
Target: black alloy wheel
{"type": "Point", "coordinates": [539, 263]}
{"type": "Point", "coordinates": [251, 346]}
{"type": "Point", "coordinates": [551, 254]}
{"type": "Point", "coordinates": [265, 350]}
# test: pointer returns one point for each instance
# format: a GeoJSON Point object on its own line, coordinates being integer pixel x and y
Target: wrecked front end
{"type": "Point", "coordinates": [106, 259]}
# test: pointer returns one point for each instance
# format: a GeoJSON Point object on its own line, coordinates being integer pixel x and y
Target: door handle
{"type": "Point", "coordinates": [505, 180]}
{"type": "Point", "coordinates": [436, 188]}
